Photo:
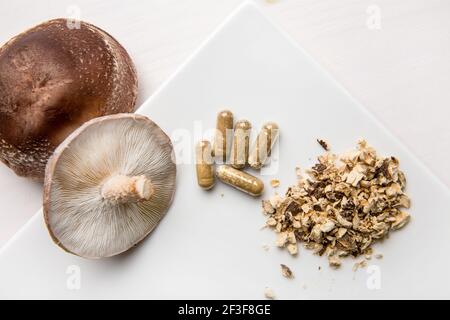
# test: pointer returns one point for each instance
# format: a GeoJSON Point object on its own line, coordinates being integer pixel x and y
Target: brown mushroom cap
{"type": "Point", "coordinates": [108, 185]}
{"type": "Point", "coordinates": [53, 79]}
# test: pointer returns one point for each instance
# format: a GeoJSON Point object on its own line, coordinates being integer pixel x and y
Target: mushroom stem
{"type": "Point", "coordinates": [124, 189]}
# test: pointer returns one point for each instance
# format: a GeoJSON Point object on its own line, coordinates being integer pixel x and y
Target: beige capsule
{"type": "Point", "coordinates": [205, 165]}
{"type": "Point", "coordinates": [263, 145]}
{"type": "Point", "coordinates": [240, 180]}
{"type": "Point", "coordinates": [241, 144]}
{"type": "Point", "coordinates": [222, 139]}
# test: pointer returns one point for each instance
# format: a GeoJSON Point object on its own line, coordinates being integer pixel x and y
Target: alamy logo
{"type": "Point", "coordinates": [373, 21]}
{"type": "Point", "coordinates": [74, 277]}
{"type": "Point", "coordinates": [374, 279]}
{"type": "Point", "coordinates": [73, 17]}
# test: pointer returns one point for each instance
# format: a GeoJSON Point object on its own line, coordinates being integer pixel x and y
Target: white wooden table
{"type": "Point", "coordinates": [393, 56]}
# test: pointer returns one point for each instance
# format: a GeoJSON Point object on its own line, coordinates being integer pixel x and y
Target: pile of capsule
{"type": "Point", "coordinates": [236, 138]}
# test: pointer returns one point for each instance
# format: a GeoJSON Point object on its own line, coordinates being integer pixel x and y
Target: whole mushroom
{"type": "Point", "coordinates": [108, 185]}
{"type": "Point", "coordinates": [53, 78]}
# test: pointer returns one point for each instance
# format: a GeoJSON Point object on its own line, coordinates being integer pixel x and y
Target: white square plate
{"type": "Point", "coordinates": [210, 244]}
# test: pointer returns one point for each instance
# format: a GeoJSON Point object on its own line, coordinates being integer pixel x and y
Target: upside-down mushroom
{"type": "Point", "coordinates": [108, 185]}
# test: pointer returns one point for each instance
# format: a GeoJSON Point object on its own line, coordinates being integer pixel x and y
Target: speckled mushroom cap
{"type": "Point", "coordinates": [53, 78]}
{"type": "Point", "coordinates": [108, 185]}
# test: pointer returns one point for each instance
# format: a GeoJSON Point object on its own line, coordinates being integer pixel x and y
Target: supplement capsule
{"type": "Point", "coordinates": [240, 180]}
{"type": "Point", "coordinates": [222, 140]}
{"type": "Point", "coordinates": [262, 148]}
{"type": "Point", "coordinates": [205, 165]}
{"type": "Point", "coordinates": [241, 144]}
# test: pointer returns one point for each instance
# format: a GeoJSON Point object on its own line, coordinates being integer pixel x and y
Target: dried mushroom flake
{"type": "Point", "coordinates": [286, 271]}
{"type": "Point", "coordinates": [275, 183]}
{"type": "Point", "coordinates": [269, 294]}
{"type": "Point", "coordinates": [323, 144]}
{"type": "Point", "coordinates": [342, 206]}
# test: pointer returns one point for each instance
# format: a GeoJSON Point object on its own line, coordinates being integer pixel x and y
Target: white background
{"type": "Point", "coordinates": [400, 72]}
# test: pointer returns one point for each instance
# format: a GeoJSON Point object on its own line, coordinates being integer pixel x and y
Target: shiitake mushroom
{"type": "Point", "coordinates": [53, 78]}
{"type": "Point", "coordinates": [108, 185]}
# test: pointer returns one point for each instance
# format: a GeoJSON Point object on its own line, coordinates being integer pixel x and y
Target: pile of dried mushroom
{"type": "Point", "coordinates": [342, 206]}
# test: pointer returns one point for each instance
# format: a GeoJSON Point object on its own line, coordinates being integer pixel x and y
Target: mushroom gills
{"type": "Point", "coordinates": [108, 185]}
